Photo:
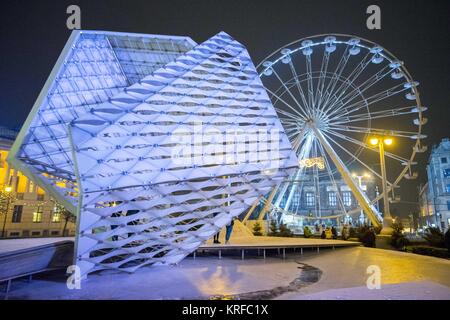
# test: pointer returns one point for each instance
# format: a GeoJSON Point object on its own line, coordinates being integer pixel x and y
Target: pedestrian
{"type": "Point", "coordinates": [323, 235]}
{"type": "Point", "coordinates": [229, 231]}
{"type": "Point", "coordinates": [328, 233]}
{"type": "Point", "coordinates": [216, 236]}
{"type": "Point", "coordinates": [334, 232]}
{"type": "Point", "coordinates": [344, 232]}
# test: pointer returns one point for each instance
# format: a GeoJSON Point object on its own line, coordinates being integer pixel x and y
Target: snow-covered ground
{"type": "Point", "coordinates": [201, 278]}
{"type": "Point", "coordinates": [423, 290]}
{"type": "Point", "coordinates": [344, 276]}
{"type": "Point", "coordinates": [19, 244]}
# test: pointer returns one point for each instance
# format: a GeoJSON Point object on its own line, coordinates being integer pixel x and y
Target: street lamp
{"type": "Point", "coordinates": [387, 218]}
{"type": "Point", "coordinates": [6, 194]}
{"type": "Point", "coordinates": [360, 177]}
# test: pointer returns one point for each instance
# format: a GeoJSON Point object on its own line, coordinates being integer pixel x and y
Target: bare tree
{"type": "Point", "coordinates": [67, 216]}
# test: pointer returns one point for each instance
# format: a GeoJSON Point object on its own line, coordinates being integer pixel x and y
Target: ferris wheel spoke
{"type": "Point", "coordinates": [359, 90]}
{"type": "Point", "coordinates": [316, 181]}
{"type": "Point", "coordinates": [329, 91]}
{"type": "Point", "coordinates": [351, 154]}
{"type": "Point", "coordinates": [297, 142]}
{"type": "Point", "coordinates": [351, 78]}
{"type": "Point", "coordinates": [368, 101]}
{"type": "Point", "coordinates": [395, 112]}
{"type": "Point", "coordinates": [290, 116]}
{"type": "Point", "coordinates": [331, 176]}
{"type": "Point", "coordinates": [322, 77]}
{"type": "Point", "coordinates": [289, 92]}
{"type": "Point", "coordinates": [297, 83]}
{"type": "Point", "coordinates": [310, 85]}
{"type": "Point", "coordinates": [285, 103]}
{"type": "Point", "coordinates": [374, 131]}
{"type": "Point", "coordinates": [367, 147]}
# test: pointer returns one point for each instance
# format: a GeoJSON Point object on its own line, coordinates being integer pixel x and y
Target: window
{"type": "Point", "coordinates": [332, 201]}
{"type": "Point", "coordinates": [310, 199]}
{"type": "Point", "coordinates": [40, 197]}
{"type": "Point", "coordinates": [447, 188]}
{"type": "Point", "coordinates": [443, 160]}
{"type": "Point", "coordinates": [446, 173]}
{"type": "Point", "coordinates": [347, 198]}
{"type": "Point", "coordinates": [19, 196]}
{"type": "Point", "coordinates": [55, 233]}
{"type": "Point", "coordinates": [56, 217]}
{"type": "Point", "coordinates": [296, 200]}
{"type": "Point", "coordinates": [35, 233]}
{"type": "Point", "coordinates": [37, 215]}
{"type": "Point", "coordinates": [17, 214]}
{"type": "Point", "coordinates": [448, 205]}
{"type": "Point", "coordinates": [14, 234]}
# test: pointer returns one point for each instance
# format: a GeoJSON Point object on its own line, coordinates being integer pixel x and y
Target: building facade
{"type": "Point", "coordinates": [311, 202]}
{"type": "Point", "coordinates": [434, 196]}
{"type": "Point", "coordinates": [26, 210]}
{"type": "Point", "coordinates": [326, 199]}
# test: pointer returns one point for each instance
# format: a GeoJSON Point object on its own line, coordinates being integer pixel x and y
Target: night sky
{"type": "Point", "coordinates": [33, 34]}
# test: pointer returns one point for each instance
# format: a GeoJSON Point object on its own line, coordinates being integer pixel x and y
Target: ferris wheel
{"type": "Point", "coordinates": [338, 97]}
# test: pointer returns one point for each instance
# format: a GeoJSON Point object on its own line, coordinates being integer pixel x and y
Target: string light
{"type": "Point", "coordinates": [311, 162]}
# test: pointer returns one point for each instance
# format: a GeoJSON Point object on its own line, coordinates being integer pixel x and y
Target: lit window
{"type": "Point", "coordinates": [17, 214]}
{"type": "Point", "coordinates": [446, 173]}
{"type": "Point", "coordinates": [347, 198]}
{"type": "Point", "coordinates": [447, 188]}
{"type": "Point", "coordinates": [310, 199]}
{"type": "Point", "coordinates": [37, 215]}
{"type": "Point", "coordinates": [332, 201]}
{"type": "Point", "coordinates": [56, 217]}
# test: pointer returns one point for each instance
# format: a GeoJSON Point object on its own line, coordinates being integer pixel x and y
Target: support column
{"type": "Point", "coordinates": [368, 208]}
{"type": "Point", "coordinates": [387, 219]}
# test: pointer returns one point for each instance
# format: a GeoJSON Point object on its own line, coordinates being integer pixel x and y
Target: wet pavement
{"type": "Point", "coordinates": [333, 274]}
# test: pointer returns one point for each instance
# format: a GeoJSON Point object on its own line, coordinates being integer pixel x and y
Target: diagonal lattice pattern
{"type": "Point", "coordinates": [166, 161]}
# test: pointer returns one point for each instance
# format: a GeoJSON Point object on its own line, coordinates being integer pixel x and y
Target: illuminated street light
{"type": "Point", "coordinates": [388, 141]}
{"type": "Point", "coordinates": [6, 194]}
{"type": "Point", "coordinates": [387, 219]}
{"type": "Point", "coordinates": [373, 141]}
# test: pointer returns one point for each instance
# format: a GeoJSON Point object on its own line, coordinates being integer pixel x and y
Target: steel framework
{"type": "Point", "coordinates": [155, 142]}
{"type": "Point", "coordinates": [333, 92]}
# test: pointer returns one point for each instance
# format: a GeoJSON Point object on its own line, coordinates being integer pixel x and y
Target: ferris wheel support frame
{"type": "Point", "coordinates": [387, 218]}
{"type": "Point", "coordinates": [364, 202]}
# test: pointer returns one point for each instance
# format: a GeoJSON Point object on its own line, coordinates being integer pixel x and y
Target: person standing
{"type": "Point", "coordinates": [229, 231]}
{"type": "Point", "coordinates": [334, 232]}
{"type": "Point", "coordinates": [216, 236]}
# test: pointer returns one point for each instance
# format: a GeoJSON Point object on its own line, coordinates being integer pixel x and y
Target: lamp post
{"type": "Point", "coordinates": [360, 177]}
{"type": "Point", "coordinates": [6, 193]}
{"type": "Point", "coordinates": [387, 218]}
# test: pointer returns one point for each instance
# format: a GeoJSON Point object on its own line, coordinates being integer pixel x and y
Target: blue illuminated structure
{"type": "Point", "coordinates": [155, 143]}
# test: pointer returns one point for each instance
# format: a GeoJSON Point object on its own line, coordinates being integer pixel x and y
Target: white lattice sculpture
{"type": "Point", "coordinates": [155, 142]}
